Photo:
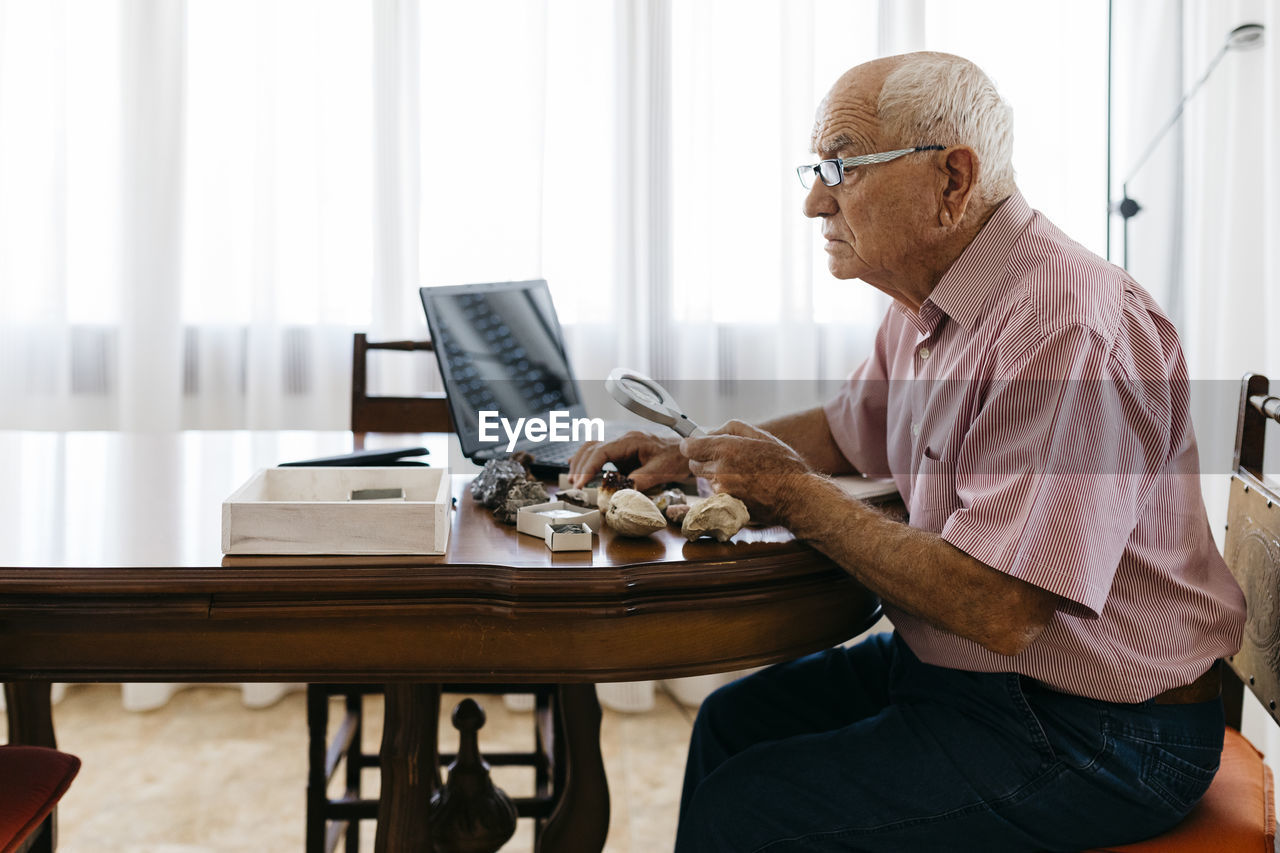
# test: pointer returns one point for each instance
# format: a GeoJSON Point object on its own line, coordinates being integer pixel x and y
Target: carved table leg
{"type": "Point", "coordinates": [580, 822]}
{"type": "Point", "coordinates": [410, 772]}
{"type": "Point", "coordinates": [30, 711]}
{"type": "Point", "coordinates": [469, 814]}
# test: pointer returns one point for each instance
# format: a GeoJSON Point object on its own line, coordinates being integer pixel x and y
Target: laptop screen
{"type": "Point", "coordinates": [500, 349]}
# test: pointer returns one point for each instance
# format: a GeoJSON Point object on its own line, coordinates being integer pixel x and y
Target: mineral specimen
{"type": "Point", "coordinates": [521, 493]}
{"type": "Point", "coordinates": [568, 528]}
{"type": "Point", "coordinates": [675, 513]}
{"type": "Point", "coordinates": [630, 513]}
{"type": "Point", "coordinates": [720, 516]}
{"type": "Point", "coordinates": [491, 484]}
{"type": "Point", "coordinates": [612, 483]}
{"type": "Point", "coordinates": [670, 497]}
{"type": "Point", "coordinates": [577, 497]}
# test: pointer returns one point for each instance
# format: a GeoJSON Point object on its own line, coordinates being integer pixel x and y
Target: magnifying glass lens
{"type": "Point", "coordinates": [641, 391]}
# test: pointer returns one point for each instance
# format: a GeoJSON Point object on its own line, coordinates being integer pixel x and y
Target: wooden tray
{"type": "Point", "coordinates": [309, 511]}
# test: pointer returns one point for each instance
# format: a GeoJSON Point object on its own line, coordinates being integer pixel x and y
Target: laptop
{"type": "Point", "coordinates": [502, 358]}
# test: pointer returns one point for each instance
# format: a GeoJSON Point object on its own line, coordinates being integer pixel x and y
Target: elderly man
{"type": "Point", "coordinates": [1058, 602]}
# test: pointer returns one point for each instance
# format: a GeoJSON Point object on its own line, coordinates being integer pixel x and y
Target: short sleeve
{"type": "Point", "coordinates": [858, 414]}
{"type": "Point", "coordinates": [1052, 475]}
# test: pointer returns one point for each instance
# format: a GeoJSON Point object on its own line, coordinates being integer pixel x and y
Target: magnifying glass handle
{"type": "Point", "coordinates": [687, 428]}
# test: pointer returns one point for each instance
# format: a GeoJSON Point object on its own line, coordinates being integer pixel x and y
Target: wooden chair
{"type": "Point", "coordinates": [1238, 811]}
{"type": "Point", "coordinates": [329, 819]}
{"type": "Point", "coordinates": [429, 413]}
{"type": "Point", "coordinates": [32, 780]}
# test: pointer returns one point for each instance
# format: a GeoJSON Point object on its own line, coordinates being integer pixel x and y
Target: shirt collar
{"type": "Point", "coordinates": [965, 290]}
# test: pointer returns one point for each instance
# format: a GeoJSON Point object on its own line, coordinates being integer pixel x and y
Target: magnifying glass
{"type": "Point", "coordinates": [640, 394]}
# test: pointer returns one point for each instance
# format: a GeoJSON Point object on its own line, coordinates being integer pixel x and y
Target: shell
{"type": "Point", "coordinates": [720, 516]}
{"type": "Point", "coordinates": [630, 513]}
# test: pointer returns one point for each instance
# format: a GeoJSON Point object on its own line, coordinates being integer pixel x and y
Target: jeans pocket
{"type": "Point", "coordinates": [1073, 730]}
{"type": "Point", "coordinates": [1179, 774]}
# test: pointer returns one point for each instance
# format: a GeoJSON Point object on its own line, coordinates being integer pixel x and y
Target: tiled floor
{"type": "Point", "coordinates": [206, 774]}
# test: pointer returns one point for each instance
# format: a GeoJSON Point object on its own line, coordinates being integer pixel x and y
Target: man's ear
{"type": "Point", "coordinates": [959, 171]}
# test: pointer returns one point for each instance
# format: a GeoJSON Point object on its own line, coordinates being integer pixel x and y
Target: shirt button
{"type": "Point", "coordinates": [924, 353]}
{"type": "Point", "coordinates": [915, 428]}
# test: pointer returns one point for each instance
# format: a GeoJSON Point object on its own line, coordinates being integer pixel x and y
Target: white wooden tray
{"type": "Point", "coordinates": [309, 511]}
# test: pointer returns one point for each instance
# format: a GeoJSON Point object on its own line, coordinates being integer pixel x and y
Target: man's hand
{"type": "Point", "coordinates": [750, 464]}
{"type": "Point", "coordinates": [645, 458]}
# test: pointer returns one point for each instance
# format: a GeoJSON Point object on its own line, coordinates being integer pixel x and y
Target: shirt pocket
{"type": "Point", "coordinates": [933, 491]}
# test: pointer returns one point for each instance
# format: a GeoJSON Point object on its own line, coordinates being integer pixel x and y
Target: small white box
{"type": "Point", "coordinates": [558, 540]}
{"type": "Point", "coordinates": [297, 510]}
{"type": "Point", "coordinates": [534, 519]}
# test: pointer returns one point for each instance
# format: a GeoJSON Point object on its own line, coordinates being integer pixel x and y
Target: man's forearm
{"type": "Point", "coordinates": [810, 435]}
{"type": "Point", "coordinates": [919, 572]}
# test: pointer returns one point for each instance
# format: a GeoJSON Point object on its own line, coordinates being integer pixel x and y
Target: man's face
{"type": "Point", "coordinates": [877, 217]}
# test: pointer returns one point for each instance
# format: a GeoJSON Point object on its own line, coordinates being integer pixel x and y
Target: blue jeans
{"type": "Point", "coordinates": [869, 749]}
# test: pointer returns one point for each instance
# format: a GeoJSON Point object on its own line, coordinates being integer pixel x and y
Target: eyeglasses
{"type": "Point", "coordinates": [832, 172]}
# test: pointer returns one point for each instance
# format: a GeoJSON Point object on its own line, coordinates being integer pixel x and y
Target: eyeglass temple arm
{"type": "Point", "coordinates": [884, 157]}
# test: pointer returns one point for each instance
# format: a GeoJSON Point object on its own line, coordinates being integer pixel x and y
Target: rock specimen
{"type": "Point", "coordinates": [610, 484]}
{"type": "Point", "coordinates": [675, 513]}
{"type": "Point", "coordinates": [670, 497]}
{"type": "Point", "coordinates": [576, 497]}
{"type": "Point", "coordinates": [521, 493]}
{"type": "Point", "coordinates": [630, 513]}
{"type": "Point", "coordinates": [720, 516]}
{"type": "Point", "coordinates": [491, 484]}
{"type": "Point", "coordinates": [524, 458]}
{"type": "Point", "coordinates": [568, 528]}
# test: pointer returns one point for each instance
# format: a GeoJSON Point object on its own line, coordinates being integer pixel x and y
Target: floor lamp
{"type": "Point", "coordinates": [1243, 37]}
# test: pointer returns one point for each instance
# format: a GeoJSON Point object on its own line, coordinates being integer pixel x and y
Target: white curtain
{"type": "Point", "coordinates": [200, 200]}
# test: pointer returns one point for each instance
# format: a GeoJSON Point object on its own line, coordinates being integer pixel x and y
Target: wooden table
{"type": "Point", "coordinates": [110, 570]}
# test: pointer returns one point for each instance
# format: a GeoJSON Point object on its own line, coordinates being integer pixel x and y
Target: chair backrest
{"type": "Point", "coordinates": [429, 413]}
{"type": "Point", "coordinates": [1253, 548]}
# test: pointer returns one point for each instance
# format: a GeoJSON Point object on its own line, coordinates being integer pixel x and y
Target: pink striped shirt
{"type": "Point", "coordinates": [1034, 413]}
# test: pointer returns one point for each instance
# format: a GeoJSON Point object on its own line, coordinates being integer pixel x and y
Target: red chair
{"type": "Point", "coordinates": [32, 780]}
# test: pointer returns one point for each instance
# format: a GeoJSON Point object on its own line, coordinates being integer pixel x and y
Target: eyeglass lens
{"type": "Point", "coordinates": [827, 170]}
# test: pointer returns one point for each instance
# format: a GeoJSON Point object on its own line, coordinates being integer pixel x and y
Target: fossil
{"type": "Point", "coordinates": [630, 513]}
{"type": "Point", "coordinates": [720, 516]}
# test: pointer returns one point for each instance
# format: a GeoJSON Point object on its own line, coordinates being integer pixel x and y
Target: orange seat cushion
{"type": "Point", "coordinates": [32, 780]}
{"type": "Point", "coordinates": [1237, 813]}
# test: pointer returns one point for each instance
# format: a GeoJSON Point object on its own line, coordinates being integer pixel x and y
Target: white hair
{"type": "Point", "coordinates": [940, 99]}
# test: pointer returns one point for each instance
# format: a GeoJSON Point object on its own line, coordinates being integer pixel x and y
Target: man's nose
{"type": "Point", "coordinates": [819, 201]}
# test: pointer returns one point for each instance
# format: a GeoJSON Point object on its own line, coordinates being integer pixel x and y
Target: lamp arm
{"type": "Point", "coordinates": [1177, 114]}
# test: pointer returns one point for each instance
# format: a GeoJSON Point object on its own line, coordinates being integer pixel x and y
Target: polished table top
{"type": "Point", "coordinates": [110, 569]}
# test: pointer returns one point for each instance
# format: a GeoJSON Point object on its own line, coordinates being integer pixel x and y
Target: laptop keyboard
{"type": "Point", "coordinates": [555, 453]}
